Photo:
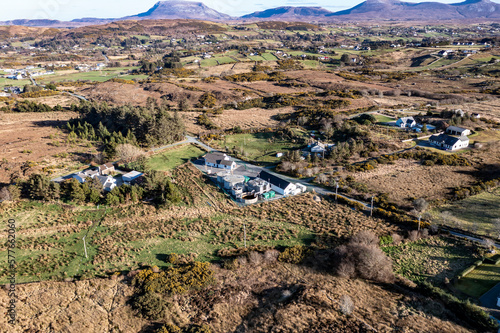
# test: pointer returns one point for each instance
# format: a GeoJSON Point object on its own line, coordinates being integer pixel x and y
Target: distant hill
{"type": "Point", "coordinates": [289, 13]}
{"type": "Point", "coordinates": [178, 9]}
{"type": "Point", "coordinates": [368, 10]}
{"type": "Point", "coordinates": [399, 10]}
{"type": "Point", "coordinates": [37, 23]}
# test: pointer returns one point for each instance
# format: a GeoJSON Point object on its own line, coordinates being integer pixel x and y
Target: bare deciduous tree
{"type": "Point", "coordinates": [128, 152]}
{"type": "Point", "coordinates": [362, 257]}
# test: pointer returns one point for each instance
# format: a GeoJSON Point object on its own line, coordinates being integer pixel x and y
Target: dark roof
{"type": "Point", "coordinates": [226, 162]}
{"type": "Point", "coordinates": [214, 158]}
{"type": "Point", "coordinates": [446, 139]}
{"type": "Point", "coordinates": [276, 181]}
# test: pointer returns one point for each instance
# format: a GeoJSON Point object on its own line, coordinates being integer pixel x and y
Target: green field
{"type": "Point", "coordinates": [208, 62]}
{"type": "Point", "coordinates": [261, 147]}
{"type": "Point", "coordinates": [17, 83]}
{"type": "Point", "coordinates": [50, 247]}
{"type": "Point", "coordinates": [476, 213]}
{"type": "Point", "coordinates": [269, 57]}
{"type": "Point", "coordinates": [174, 157]}
{"type": "Point", "coordinates": [225, 60]}
{"type": "Point", "coordinates": [97, 76]}
{"type": "Point", "coordinates": [480, 280]}
{"type": "Point", "coordinates": [432, 259]}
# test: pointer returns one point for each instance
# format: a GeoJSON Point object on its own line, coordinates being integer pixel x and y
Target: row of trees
{"type": "Point", "coordinates": [156, 186]}
{"type": "Point", "coordinates": [148, 126]}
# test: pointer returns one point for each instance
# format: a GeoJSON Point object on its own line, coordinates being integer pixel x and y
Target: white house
{"type": "Point", "coordinates": [279, 185]}
{"type": "Point", "coordinates": [318, 148]}
{"type": "Point", "coordinates": [406, 122]}
{"type": "Point", "coordinates": [454, 130]}
{"type": "Point", "coordinates": [219, 160]}
{"type": "Point", "coordinates": [83, 175]}
{"type": "Point", "coordinates": [449, 142]}
{"type": "Point", "coordinates": [108, 182]}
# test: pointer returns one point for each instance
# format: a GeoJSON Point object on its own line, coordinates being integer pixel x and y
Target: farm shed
{"type": "Point", "coordinates": [455, 130]}
{"type": "Point", "coordinates": [131, 176]}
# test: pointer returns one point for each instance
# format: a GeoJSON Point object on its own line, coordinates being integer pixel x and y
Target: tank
{"type": "Point", "coordinates": [249, 198]}
{"type": "Point", "coordinates": [231, 180]}
{"type": "Point", "coordinates": [221, 175]}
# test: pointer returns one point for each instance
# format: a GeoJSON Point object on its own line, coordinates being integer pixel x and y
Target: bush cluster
{"type": "Point", "coordinates": [361, 257]}
{"type": "Point", "coordinates": [464, 192]}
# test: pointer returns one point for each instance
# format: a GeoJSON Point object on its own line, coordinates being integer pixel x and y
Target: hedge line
{"type": "Point", "coordinates": [465, 310]}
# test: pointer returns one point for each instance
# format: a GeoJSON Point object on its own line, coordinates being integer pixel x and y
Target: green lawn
{"type": "Point", "coordinates": [383, 119]}
{"type": "Point", "coordinates": [261, 147]}
{"type": "Point", "coordinates": [480, 280]}
{"type": "Point", "coordinates": [174, 157]}
{"type": "Point", "coordinates": [476, 213]}
{"type": "Point", "coordinates": [432, 259]}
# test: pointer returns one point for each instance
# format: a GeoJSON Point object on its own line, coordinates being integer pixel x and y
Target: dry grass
{"type": "Point", "coordinates": [407, 179]}
{"type": "Point", "coordinates": [256, 298]}
{"type": "Point", "coordinates": [32, 137]}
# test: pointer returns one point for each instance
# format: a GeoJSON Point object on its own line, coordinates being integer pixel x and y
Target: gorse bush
{"type": "Point", "coordinates": [175, 280]}
{"type": "Point", "coordinates": [294, 255]}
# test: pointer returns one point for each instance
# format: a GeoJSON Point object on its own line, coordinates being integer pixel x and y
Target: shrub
{"type": "Point", "coordinates": [386, 240]}
{"type": "Point", "coordinates": [169, 328]}
{"type": "Point", "coordinates": [363, 259]}
{"type": "Point", "coordinates": [175, 280]}
{"type": "Point", "coordinates": [346, 305]}
{"type": "Point", "coordinates": [151, 305]}
{"type": "Point", "coordinates": [294, 255]}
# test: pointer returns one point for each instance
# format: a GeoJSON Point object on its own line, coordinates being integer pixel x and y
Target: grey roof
{"type": "Point", "coordinates": [407, 119]}
{"type": "Point", "coordinates": [102, 179]}
{"type": "Point", "coordinates": [456, 129]}
{"type": "Point", "coordinates": [226, 162]}
{"type": "Point", "coordinates": [446, 139]}
{"type": "Point", "coordinates": [215, 158]}
{"type": "Point", "coordinates": [276, 181]}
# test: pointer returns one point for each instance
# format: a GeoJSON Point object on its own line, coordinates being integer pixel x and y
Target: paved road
{"type": "Point", "coordinates": [471, 238]}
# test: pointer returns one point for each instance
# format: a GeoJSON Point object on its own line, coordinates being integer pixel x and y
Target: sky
{"type": "Point", "coordinates": [67, 10]}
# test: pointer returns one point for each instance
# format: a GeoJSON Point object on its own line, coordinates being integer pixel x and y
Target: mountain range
{"type": "Point", "coordinates": [367, 10]}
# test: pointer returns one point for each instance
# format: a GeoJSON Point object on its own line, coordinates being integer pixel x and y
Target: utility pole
{"type": "Point", "coordinates": [245, 235]}
{"type": "Point", "coordinates": [85, 246]}
{"type": "Point", "coordinates": [371, 209]}
{"type": "Point", "coordinates": [336, 191]}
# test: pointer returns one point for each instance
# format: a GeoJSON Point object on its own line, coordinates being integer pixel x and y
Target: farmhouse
{"type": "Point", "coordinates": [449, 142]}
{"type": "Point", "coordinates": [83, 175]}
{"type": "Point", "coordinates": [406, 122]}
{"type": "Point", "coordinates": [106, 169]}
{"type": "Point", "coordinates": [454, 130]}
{"type": "Point", "coordinates": [219, 160]}
{"type": "Point", "coordinates": [108, 182]}
{"type": "Point", "coordinates": [280, 185]}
